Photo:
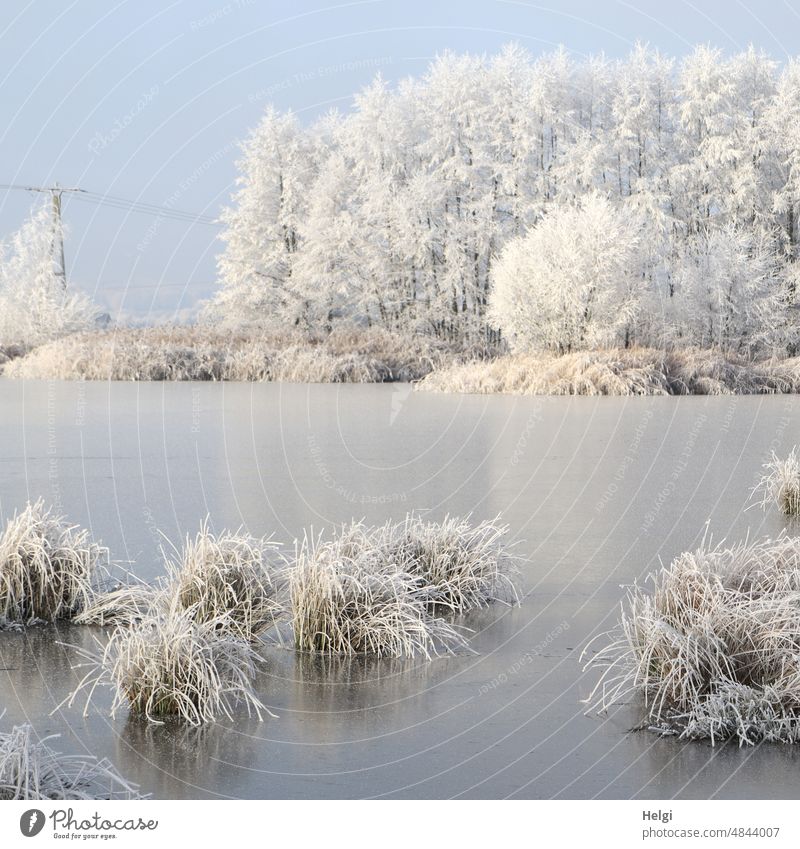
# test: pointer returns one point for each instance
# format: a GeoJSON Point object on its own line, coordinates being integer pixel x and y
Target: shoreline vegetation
{"type": "Point", "coordinates": [609, 209]}
{"type": "Point", "coordinates": [620, 371]}
{"type": "Point", "coordinates": [346, 355]}
{"type": "Point", "coordinates": [375, 355]}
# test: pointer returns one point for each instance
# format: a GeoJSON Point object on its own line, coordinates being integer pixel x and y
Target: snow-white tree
{"type": "Point", "coordinates": [394, 213]}
{"type": "Point", "coordinates": [262, 227]}
{"type": "Point", "coordinates": [753, 176]}
{"type": "Point", "coordinates": [728, 291]}
{"type": "Point", "coordinates": [572, 282]}
{"type": "Point", "coordinates": [34, 306]}
{"type": "Point", "coordinates": [782, 121]}
{"type": "Point", "coordinates": [326, 273]}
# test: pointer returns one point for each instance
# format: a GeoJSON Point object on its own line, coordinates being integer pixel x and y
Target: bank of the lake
{"type": "Point", "coordinates": [372, 355]}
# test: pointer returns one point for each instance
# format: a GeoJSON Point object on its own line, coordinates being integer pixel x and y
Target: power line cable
{"type": "Point", "coordinates": [159, 212]}
{"type": "Point", "coordinates": [120, 203]}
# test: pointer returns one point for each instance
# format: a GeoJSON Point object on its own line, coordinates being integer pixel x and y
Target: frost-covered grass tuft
{"type": "Point", "coordinates": [47, 567]}
{"type": "Point", "coordinates": [458, 566]}
{"type": "Point", "coordinates": [232, 575]}
{"type": "Point", "coordinates": [781, 483]}
{"type": "Point", "coordinates": [204, 353]}
{"type": "Point", "coordinates": [168, 663]}
{"type": "Point", "coordinates": [714, 649]}
{"type": "Point", "coordinates": [30, 769]}
{"type": "Point", "coordinates": [632, 371]}
{"type": "Point", "coordinates": [184, 646]}
{"type": "Point", "coordinates": [348, 598]}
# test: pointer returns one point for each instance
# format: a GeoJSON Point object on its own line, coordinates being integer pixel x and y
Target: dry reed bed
{"type": "Point", "coordinates": [204, 353]}
{"type": "Point", "coordinates": [635, 371]}
{"type": "Point", "coordinates": [11, 352]}
{"type": "Point", "coordinates": [714, 648]}
{"type": "Point", "coordinates": [30, 769]}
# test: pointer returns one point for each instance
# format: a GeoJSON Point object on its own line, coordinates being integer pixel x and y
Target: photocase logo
{"type": "Point", "coordinates": [31, 822]}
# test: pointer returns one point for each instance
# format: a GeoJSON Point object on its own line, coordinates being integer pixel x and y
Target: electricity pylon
{"type": "Point", "coordinates": [57, 243]}
{"type": "Point", "coordinates": [57, 240]}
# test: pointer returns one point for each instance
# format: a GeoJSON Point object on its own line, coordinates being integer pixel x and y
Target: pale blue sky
{"type": "Point", "coordinates": [146, 100]}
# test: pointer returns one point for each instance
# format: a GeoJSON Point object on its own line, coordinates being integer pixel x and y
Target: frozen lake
{"type": "Point", "coordinates": [595, 490]}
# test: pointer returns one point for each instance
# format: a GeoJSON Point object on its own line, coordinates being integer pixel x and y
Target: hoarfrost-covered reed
{"type": "Point", "coordinates": [347, 355]}
{"type": "Point", "coordinates": [184, 645]}
{"type": "Point", "coordinates": [630, 371]}
{"type": "Point", "coordinates": [348, 598]}
{"type": "Point", "coordinates": [458, 566]}
{"type": "Point", "coordinates": [30, 769]}
{"type": "Point", "coordinates": [47, 567]}
{"type": "Point", "coordinates": [232, 575]}
{"type": "Point", "coordinates": [171, 663]}
{"type": "Point", "coordinates": [714, 648]}
{"type": "Point", "coordinates": [780, 483]}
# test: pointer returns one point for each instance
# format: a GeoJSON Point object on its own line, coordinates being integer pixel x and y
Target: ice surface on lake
{"type": "Point", "coordinates": [597, 489]}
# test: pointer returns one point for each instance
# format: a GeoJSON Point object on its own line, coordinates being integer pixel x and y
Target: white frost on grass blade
{"type": "Point", "coordinates": [714, 649]}
{"type": "Point", "coordinates": [781, 484]}
{"type": "Point", "coordinates": [170, 664]}
{"type": "Point", "coordinates": [123, 605]}
{"type": "Point", "coordinates": [47, 567]}
{"type": "Point", "coordinates": [458, 566]}
{"type": "Point", "coordinates": [30, 769]}
{"type": "Point", "coordinates": [347, 598]}
{"type": "Point", "coordinates": [230, 575]}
